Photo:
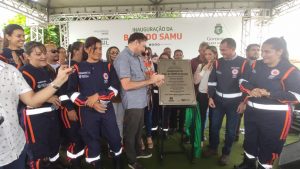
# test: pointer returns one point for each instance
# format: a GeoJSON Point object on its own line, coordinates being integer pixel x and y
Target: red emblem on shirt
{"type": "Point", "coordinates": [235, 71]}
{"type": "Point", "coordinates": [275, 72]}
{"type": "Point", "coordinates": [105, 76]}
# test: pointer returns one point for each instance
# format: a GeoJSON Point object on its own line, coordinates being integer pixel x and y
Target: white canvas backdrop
{"type": "Point", "coordinates": [179, 33]}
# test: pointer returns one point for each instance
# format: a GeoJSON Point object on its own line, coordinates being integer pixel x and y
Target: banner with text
{"type": "Point", "coordinates": [178, 33]}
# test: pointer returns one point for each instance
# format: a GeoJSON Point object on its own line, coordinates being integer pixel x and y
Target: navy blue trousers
{"type": "Point", "coordinates": [70, 130]}
{"type": "Point", "coordinates": [96, 125]}
{"type": "Point", "coordinates": [229, 109]}
{"type": "Point", "coordinates": [43, 135]}
{"type": "Point", "coordinates": [265, 133]}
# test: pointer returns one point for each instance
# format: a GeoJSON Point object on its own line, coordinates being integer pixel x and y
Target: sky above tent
{"type": "Point", "coordinates": [5, 15]}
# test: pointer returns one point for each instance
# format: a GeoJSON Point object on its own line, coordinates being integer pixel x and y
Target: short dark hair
{"type": "Point", "coordinates": [251, 46]}
{"type": "Point", "coordinates": [29, 46]}
{"type": "Point", "coordinates": [75, 47]}
{"type": "Point", "coordinates": [164, 53]}
{"type": "Point", "coordinates": [230, 42]}
{"type": "Point", "coordinates": [154, 55]}
{"type": "Point", "coordinates": [91, 42]}
{"type": "Point", "coordinates": [137, 36]}
{"type": "Point", "coordinates": [178, 50]}
{"type": "Point", "coordinates": [204, 44]}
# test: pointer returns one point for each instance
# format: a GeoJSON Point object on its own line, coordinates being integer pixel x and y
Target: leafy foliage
{"type": "Point", "coordinates": [51, 35]}
{"type": "Point", "coordinates": [51, 32]}
{"type": "Point", "coordinates": [20, 20]}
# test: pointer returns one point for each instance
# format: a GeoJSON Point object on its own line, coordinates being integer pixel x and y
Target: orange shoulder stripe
{"type": "Point", "coordinates": [243, 66]}
{"type": "Point", "coordinates": [286, 75]}
{"type": "Point", "coordinates": [31, 77]}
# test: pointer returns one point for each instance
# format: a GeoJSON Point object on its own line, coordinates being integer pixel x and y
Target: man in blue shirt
{"type": "Point", "coordinates": [131, 72]}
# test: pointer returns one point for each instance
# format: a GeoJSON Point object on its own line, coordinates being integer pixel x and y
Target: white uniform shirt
{"type": "Point", "coordinates": [12, 137]}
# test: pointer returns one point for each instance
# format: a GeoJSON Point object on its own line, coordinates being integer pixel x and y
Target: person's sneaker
{"type": "Point", "coordinates": [144, 154]}
{"type": "Point", "coordinates": [135, 166]}
{"type": "Point", "coordinates": [209, 153]}
{"type": "Point", "coordinates": [224, 160]}
{"type": "Point", "coordinates": [242, 131]}
{"type": "Point", "coordinates": [150, 142]}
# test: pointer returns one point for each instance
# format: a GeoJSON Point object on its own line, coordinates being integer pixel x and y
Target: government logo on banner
{"type": "Point", "coordinates": [218, 29]}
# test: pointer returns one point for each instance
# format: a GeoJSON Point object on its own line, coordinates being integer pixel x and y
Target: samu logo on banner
{"type": "Point", "coordinates": [218, 29]}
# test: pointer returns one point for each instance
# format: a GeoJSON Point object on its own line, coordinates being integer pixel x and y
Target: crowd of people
{"type": "Point", "coordinates": [55, 100]}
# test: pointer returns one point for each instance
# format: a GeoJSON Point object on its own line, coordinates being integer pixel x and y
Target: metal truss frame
{"type": "Point", "coordinates": [257, 13]}
{"type": "Point", "coordinates": [285, 7]}
{"type": "Point", "coordinates": [161, 6]}
{"type": "Point", "coordinates": [37, 34]}
{"type": "Point", "coordinates": [31, 10]}
{"type": "Point", "coordinates": [246, 33]}
{"type": "Point", "coordinates": [253, 19]}
{"type": "Point", "coordinates": [62, 18]}
{"type": "Point", "coordinates": [158, 9]}
{"type": "Point", "coordinates": [64, 35]}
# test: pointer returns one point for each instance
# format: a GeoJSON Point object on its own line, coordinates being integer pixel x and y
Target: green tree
{"type": "Point", "coordinates": [20, 20]}
{"type": "Point", "coordinates": [51, 32]}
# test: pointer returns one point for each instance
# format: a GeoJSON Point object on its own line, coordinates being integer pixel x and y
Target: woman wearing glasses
{"type": "Point", "coordinates": [150, 69]}
{"type": "Point", "coordinates": [111, 55]}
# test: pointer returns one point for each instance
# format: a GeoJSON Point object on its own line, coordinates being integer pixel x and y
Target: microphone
{"type": "Point", "coordinates": [1, 119]}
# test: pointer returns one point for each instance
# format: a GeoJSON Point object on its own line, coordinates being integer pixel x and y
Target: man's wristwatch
{"type": "Point", "coordinates": [54, 86]}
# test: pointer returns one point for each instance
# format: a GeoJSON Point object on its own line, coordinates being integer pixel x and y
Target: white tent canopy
{"type": "Point", "coordinates": [42, 10]}
{"type": "Point", "coordinates": [256, 14]}
{"type": "Point", "coordinates": [54, 4]}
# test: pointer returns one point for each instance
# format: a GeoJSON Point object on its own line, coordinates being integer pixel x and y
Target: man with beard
{"type": "Point", "coordinates": [252, 54]}
{"type": "Point", "coordinates": [131, 73]}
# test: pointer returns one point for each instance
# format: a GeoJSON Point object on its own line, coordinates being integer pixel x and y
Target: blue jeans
{"type": "Point", "coordinates": [148, 122]}
{"type": "Point", "coordinates": [222, 108]}
{"type": "Point", "coordinates": [18, 163]}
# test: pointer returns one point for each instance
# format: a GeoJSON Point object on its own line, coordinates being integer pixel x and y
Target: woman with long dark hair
{"type": "Point", "coordinates": [272, 85]}
{"type": "Point", "coordinates": [13, 42]}
{"type": "Point", "coordinates": [70, 114]}
{"type": "Point", "coordinates": [91, 87]}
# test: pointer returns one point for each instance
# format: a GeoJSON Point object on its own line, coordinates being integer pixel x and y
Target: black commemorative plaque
{"type": "Point", "coordinates": [178, 89]}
